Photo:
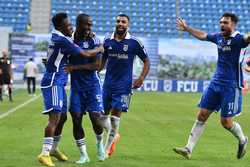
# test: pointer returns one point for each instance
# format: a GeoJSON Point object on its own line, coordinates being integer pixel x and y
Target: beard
{"type": "Point", "coordinates": [120, 32]}
{"type": "Point", "coordinates": [226, 33]}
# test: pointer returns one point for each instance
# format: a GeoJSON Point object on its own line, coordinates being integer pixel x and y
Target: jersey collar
{"type": "Point", "coordinates": [234, 34]}
{"type": "Point", "coordinates": [58, 33]}
{"type": "Point", "coordinates": [128, 36]}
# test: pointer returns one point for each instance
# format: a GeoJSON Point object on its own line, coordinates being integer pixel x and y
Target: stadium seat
{"type": "Point", "coordinates": [14, 14]}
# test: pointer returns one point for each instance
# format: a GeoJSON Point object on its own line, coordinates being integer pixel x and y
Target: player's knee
{"type": "Point", "coordinates": [203, 115]}
{"type": "Point", "coordinates": [226, 124]}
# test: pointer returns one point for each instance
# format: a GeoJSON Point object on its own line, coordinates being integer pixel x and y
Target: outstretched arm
{"type": "Point", "coordinates": [182, 25]}
{"type": "Point", "coordinates": [93, 52]}
{"type": "Point", "coordinates": [90, 66]}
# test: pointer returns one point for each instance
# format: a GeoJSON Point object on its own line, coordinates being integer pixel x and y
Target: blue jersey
{"type": "Point", "coordinates": [120, 56]}
{"type": "Point", "coordinates": [60, 48]}
{"type": "Point", "coordinates": [228, 70]}
{"type": "Point", "coordinates": [85, 79]}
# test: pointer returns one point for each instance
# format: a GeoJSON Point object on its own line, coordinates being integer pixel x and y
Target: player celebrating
{"type": "Point", "coordinates": [224, 90]}
{"type": "Point", "coordinates": [6, 76]}
{"type": "Point", "coordinates": [120, 51]}
{"type": "Point", "coordinates": [86, 94]}
{"type": "Point", "coordinates": [53, 83]}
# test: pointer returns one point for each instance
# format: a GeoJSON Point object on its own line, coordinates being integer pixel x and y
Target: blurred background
{"type": "Point", "coordinates": [179, 63]}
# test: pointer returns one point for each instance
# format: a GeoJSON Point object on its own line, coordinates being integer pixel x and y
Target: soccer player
{"type": "Point", "coordinates": [86, 94]}
{"type": "Point", "coordinates": [120, 51]}
{"type": "Point", "coordinates": [6, 76]}
{"type": "Point", "coordinates": [224, 90]}
{"type": "Point", "coordinates": [53, 83]}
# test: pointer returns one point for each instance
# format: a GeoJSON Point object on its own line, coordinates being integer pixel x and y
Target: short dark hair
{"type": "Point", "coordinates": [124, 15]}
{"type": "Point", "coordinates": [80, 18]}
{"type": "Point", "coordinates": [57, 20]}
{"type": "Point", "coordinates": [233, 17]}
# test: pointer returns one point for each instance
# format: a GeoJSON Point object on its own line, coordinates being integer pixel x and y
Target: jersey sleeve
{"type": "Point", "coordinates": [212, 38]}
{"type": "Point", "coordinates": [241, 42]}
{"type": "Point", "coordinates": [141, 51]}
{"type": "Point", "coordinates": [71, 48]}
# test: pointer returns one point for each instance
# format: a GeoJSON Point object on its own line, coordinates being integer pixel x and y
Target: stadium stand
{"type": "Point", "coordinates": [156, 18]}
{"type": "Point", "coordinates": [148, 17]}
{"type": "Point", "coordinates": [15, 14]}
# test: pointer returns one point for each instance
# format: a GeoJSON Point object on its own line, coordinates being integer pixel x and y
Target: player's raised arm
{"type": "Point", "coordinates": [182, 25]}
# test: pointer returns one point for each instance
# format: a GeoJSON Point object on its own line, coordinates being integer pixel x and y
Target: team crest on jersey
{"type": "Point", "coordinates": [85, 45]}
{"type": "Point", "coordinates": [125, 48]}
{"type": "Point", "coordinates": [110, 48]}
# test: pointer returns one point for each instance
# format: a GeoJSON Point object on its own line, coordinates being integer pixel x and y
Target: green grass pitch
{"type": "Point", "coordinates": [155, 124]}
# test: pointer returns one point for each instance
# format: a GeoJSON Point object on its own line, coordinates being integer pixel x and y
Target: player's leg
{"type": "Point", "coordinates": [28, 85]}
{"type": "Point", "coordinates": [1, 88]}
{"type": "Point", "coordinates": [34, 85]}
{"type": "Point", "coordinates": [98, 129]}
{"type": "Point", "coordinates": [53, 102]}
{"type": "Point", "coordinates": [58, 131]}
{"type": "Point", "coordinates": [105, 118]}
{"type": "Point", "coordinates": [9, 83]}
{"type": "Point", "coordinates": [209, 102]}
{"type": "Point", "coordinates": [114, 135]}
{"type": "Point", "coordinates": [120, 103]}
{"type": "Point", "coordinates": [44, 157]}
{"type": "Point", "coordinates": [55, 152]}
{"type": "Point", "coordinates": [10, 92]}
{"type": "Point", "coordinates": [94, 106]}
{"type": "Point", "coordinates": [231, 106]}
{"type": "Point", "coordinates": [76, 113]}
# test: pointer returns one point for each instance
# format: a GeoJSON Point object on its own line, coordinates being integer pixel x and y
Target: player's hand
{"type": "Point", "coordinates": [91, 34]}
{"type": "Point", "coordinates": [101, 49]}
{"type": "Point", "coordinates": [181, 24]}
{"type": "Point", "coordinates": [247, 65]}
{"type": "Point", "coordinates": [1, 72]}
{"type": "Point", "coordinates": [247, 37]}
{"type": "Point", "coordinates": [68, 68]}
{"type": "Point", "coordinates": [137, 83]}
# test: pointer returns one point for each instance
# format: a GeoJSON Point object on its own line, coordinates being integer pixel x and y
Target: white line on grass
{"type": "Point", "coordinates": [18, 107]}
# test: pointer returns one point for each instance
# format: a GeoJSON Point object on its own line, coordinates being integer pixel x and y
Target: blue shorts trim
{"type": "Point", "coordinates": [54, 99]}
